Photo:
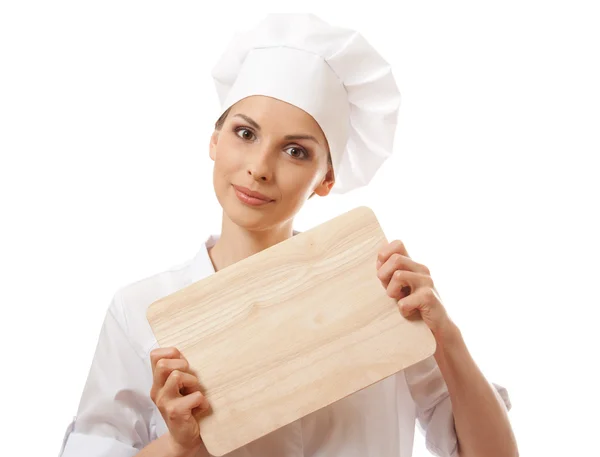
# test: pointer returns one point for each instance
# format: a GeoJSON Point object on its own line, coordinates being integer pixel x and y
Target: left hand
{"type": "Point", "coordinates": [410, 283]}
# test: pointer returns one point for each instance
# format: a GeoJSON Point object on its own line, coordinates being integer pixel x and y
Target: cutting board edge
{"type": "Point", "coordinates": [216, 450]}
{"type": "Point", "coordinates": [156, 306]}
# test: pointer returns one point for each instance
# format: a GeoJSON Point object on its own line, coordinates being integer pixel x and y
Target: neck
{"type": "Point", "coordinates": [236, 243]}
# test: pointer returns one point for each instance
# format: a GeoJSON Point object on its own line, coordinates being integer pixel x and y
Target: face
{"type": "Point", "coordinates": [269, 157]}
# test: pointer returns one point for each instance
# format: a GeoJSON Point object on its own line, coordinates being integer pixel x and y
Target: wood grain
{"type": "Point", "coordinates": [290, 330]}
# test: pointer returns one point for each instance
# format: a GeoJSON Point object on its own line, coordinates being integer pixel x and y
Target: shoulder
{"type": "Point", "coordinates": [130, 302]}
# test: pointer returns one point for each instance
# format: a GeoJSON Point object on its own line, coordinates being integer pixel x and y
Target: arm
{"type": "Point", "coordinates": [114, 410]}
{"type": "Point", "coordinates": [459, 411]}
{"type": "Point", "coordinates": [165, 446]}
{"type": "Point", "coordinates": [480, 416]}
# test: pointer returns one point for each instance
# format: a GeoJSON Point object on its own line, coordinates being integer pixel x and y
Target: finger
{"type": "Point", "coordinates": [189, 369]}
{"type": "Point", "coordinates": [404, 283]}
{"type": "Point", "coordinates": [398, 262]}
{"type": "Point", "coordinates": [180, 409]}
{"type": "Point", "coordinates": [163, 353]}
{"type": "Point", "coordinates": [395, 247]}
{"type": "Point", "coordinates": [412, 302]}
{"type": "Point", "coordinates": [427, 301]}
{"type": "Point", "coordinates": [179, 384]}
{"type": "Point", "coordinates": [164, 367]}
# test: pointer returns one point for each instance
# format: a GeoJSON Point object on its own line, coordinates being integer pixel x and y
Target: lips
{"type": "Point", "coordinates": [253, 194]}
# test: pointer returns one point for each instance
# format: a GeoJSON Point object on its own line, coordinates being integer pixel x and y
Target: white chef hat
{"type": "Point", "coordinates": [331, 73]}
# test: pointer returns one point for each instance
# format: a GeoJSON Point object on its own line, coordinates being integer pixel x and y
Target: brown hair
{"type": "Point", "coordinates": [221, 120]}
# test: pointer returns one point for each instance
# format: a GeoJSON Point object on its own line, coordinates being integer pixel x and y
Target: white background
{"type": "Point", "coordinates": [105, 114]}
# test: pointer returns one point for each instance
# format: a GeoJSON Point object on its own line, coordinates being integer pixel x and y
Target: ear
{"type": "Point", "coordinates": [326, 184]}
{"type": "Point", "coordinates": [212, 147]}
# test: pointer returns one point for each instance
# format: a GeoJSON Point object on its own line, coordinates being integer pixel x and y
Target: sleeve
{"type": "Point", "coordinates": [115, 409]}
{"type": "Point", "coordinates": [434, 410]}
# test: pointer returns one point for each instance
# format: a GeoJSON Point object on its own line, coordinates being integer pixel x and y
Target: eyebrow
{"type": "Point", "coordinates": [254, 124]}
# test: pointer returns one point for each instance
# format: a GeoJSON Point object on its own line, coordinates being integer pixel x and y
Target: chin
{"type": "Point", "coordinates": [247, 217]}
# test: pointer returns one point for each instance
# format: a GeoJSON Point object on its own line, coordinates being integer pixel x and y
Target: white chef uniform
{"type": "Point", "coordinates": [117, 418]}
{"type": "Point", "coordinates": [334, 75]}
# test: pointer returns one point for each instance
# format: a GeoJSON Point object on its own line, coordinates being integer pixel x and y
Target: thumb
{"type": "Point", "coordinates": [409, 304]}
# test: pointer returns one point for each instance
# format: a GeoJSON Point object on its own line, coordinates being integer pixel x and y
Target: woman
{"type": "Point", "coordinates": [308, 109]}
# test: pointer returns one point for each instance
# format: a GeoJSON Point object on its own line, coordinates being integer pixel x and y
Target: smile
{"type": "Point", "coordinates": [251, 198]}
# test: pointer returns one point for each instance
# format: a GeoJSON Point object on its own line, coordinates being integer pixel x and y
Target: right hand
{"type": "Point", "coordinates": [176, 393]}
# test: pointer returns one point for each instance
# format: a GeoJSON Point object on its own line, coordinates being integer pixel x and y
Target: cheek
{"type": "Point", "coordinates": [228, 158]}
{"type": "Point", "coordinates": [297, 184]}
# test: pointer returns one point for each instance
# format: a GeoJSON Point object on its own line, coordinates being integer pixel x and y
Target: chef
{"type": "Point", "coordinates": [307, 109]}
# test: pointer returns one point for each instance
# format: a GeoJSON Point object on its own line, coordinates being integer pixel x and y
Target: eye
{"type": "Point", "coordinates": [244, 133]}
{"type": "Point", "coordinates": [297, 153]}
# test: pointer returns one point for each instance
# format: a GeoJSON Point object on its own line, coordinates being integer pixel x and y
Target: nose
{"type": "Point", "coordinates": [260, 167]}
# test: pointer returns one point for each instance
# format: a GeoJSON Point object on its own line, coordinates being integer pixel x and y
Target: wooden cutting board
{"type": "Point", "coordinates": [290, 330]}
